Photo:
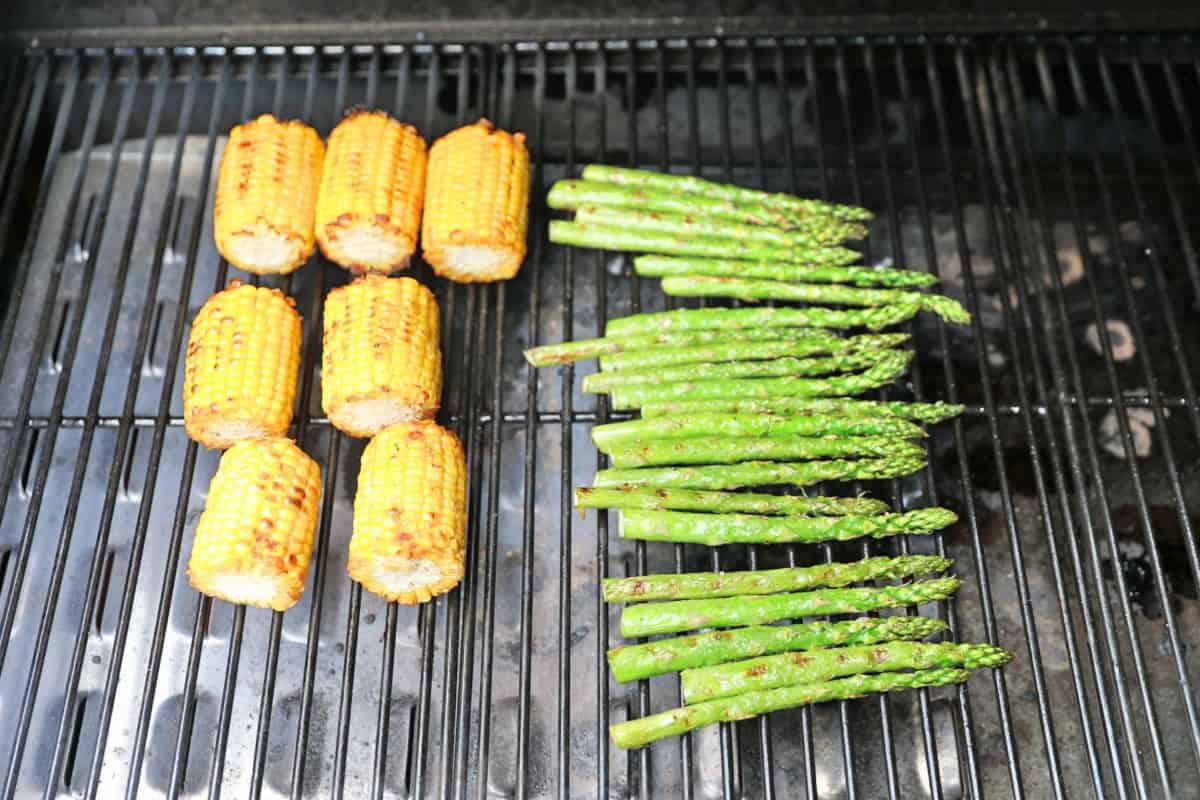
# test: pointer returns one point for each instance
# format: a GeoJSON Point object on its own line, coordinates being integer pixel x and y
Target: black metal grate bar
{"type": "Point", "coordinates": [1044, 180]}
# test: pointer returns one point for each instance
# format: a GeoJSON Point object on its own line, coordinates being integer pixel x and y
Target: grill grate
{"type": "Point", "coordinates": [1044, 179]}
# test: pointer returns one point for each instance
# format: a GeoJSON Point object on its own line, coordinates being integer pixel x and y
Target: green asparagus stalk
{"type": "Point", "coordinates": [852, 361]}
{"type": "Point", "coordinates": [723, 450]}
{"type": "Point", "coordinates": [606, 437]}
{"type": "Point", "coordinates": [657, 357]}
{"type": "Point", "coordinates": [611, 237]}
{"type": "Point", "coordinates": [816, 666]}
{"type": "Point", "coordinates": [635, 733]}
{"type": "Point", "coordinates": [724, 502]}
{"type": "Point", "coordinates": [760, 473]}
{"type": "Point", "coordinates": [655, 266]}
{"type": "Point", "coordinates": [649, 619]}
{"type": "Point", "coordinates": [752, 289]}
{"type": "Point", "coordinates": [930, 413]}
{"type": "Point", "coordinates": [817, 233]}
{"type": "Point", "coordinates": [638, 661]}
{"type": "Point", "coordinates": [891, 363]}
{"type": "Point", "coordinates": [689, 185]}
{"type": "Point", "coordinates": [566, 352]}
{"type": "Point", "coordinates": [572, 194]}
{"type": "Point", "coordinates": [697, 585]}
{"type": "Point", "coordinates": [717, 529]}
{"type": "Point", "coordinates": [729, 319]}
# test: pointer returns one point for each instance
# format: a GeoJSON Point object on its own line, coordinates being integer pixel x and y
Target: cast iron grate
{"type": "Point", "coordinates": [1046, 180]}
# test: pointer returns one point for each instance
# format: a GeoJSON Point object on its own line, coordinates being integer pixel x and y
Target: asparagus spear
{"type": "Point", "coordinates": [648, 619]}
{"type": "Point", "coordinates": [690, 185]}
{"type": "Point", "coordinates": [606, 437]}
{"type": "Point", "coordinates": [817, 233]}
{"type": "Point", "coordinates": [718, 529]}
{"type": "Point", "coordinates": [696, 585]}
{"type": "Point", "coordinates": [728, 319]}
{"type": "Point", "coordinates": [637, 661]}
{"type": "Point", "coordinates": [640, 732]}
{"type": "Point", "coordinates": [566, 352]}
{"type": "Point", "coordinates": [851, 361]}
{"type": "Point", "coordinates": [747, 351]}
{"type": "Point", "coordinates": [724, 502]}
{"type": "Point", "coordinates": [789, 669]}
{"type": "Point", "coordinates": [751, 289]}
{"type": "Point", "coordinates": [655, 266]}
{"type": "Point", "coordinates": [760, 473]}
{"type": "Point", "coordinates": [891, 363]}
{"type": "Point", "coordinates": [570, 194]}
{"type": "Point", "coordinates": [613, 237]}
{"type": "Point", "coordinates": [724, 450]}
{"type": "Point", "coordinates": [835, 407]}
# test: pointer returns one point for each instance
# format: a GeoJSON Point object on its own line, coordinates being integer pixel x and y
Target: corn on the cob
{"type": "Point", "coordinates": [255, 536]}
{"type": "Point", "coordinates": [381, 362]}
{"type": "Point", "coordinates": [372, 188]}
{"type": "Point", "coordinates": [410, 513]}
{"type": "Point", "coordinates": [266, 195]}
{"type": "Point", "coordinates": [477, 204]}
{"type": "Point", "coordinates": [243, 355]}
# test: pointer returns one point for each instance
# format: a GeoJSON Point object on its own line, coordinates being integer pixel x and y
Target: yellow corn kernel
{"type": "Point", "coordinates": [267, 195]}
{"type": "Point", "coordinates": [476, 204]}
{"type": "Point", "coordinates": [255, 536]}
{"type": "Point", "coordinates": [410, 513]}
{"type": "Point", "coordinates": [381, 362]}
{"type": "Point", "coordinates": [243, 356]}
{"type": "Point", "coordinates": [372, 188]}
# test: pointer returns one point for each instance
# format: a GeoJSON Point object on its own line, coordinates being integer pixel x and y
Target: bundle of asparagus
{"type": "Point", "coordinates": [719, 240]}
{"type": "Point", "coordinates": [744, 397]}
{"type": "Point", "coordinates": [749, 667]}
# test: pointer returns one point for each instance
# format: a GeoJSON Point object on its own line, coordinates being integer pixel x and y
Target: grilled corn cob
{"type": "Point", "coordinates": [243, 355]}
{"type": "Point", "coordinates": [381, 362]}
{"type": "Point", "coordinates": [372, 188]}
{"type": "Point", "coordinates": [410, 513]}
{"type": "Point", "coordinates": [254, 539]}
{"type": "Point", "coordinates": [267, 195]}
{"type": "Point", "coordinates": [477, 204]}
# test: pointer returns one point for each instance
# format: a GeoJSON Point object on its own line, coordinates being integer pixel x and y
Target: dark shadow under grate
{"type": "Point", "coordinates": [1046, 181]}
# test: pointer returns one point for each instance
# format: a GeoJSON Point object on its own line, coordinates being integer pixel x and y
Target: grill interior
{"type": "Point", "coordinates": [1048, 181]}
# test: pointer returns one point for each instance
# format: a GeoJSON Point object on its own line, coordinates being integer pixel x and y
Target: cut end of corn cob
{"type": "Point", "coordinates": [381, 361]}
{"type": "Point", "coordinates": [243, 357]}
{"type": "Point", "coordinates": [254, 539]}
{"type": "Point", "coordinates": [372, 190]}
{"type": "Point", "coordinates": [266, 195]}
{"type": "Point", "coordinates": [410, 513]}
{"type": "Point", "coordinates": [477, 207]}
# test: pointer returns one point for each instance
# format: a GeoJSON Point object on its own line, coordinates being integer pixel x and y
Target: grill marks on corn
{"type": "Point", "coordinates": [241, 365]}
{"type": "Point", "coordinates": [477, 204]}
{"type": "Point", "coordinates": [410, 513]}
{"type": "Point", "coordinates": [372, 192]}
{"type": "Point", "coordinates": [381, 360]}
{"type": "Point", "coordinates": [266, 196]}
{"type": "Point", "coordinates": [254, 538]}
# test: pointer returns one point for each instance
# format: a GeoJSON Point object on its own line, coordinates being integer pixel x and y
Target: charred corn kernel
{"type": "Point", "coordinates": [476, 204]}
{"type": "Point", "coordinates": [410, 513]}
{"type": "Point", "coordinates": [267, 195]}
{"type": "Point", "coordinates": [243, 356]}
{"type": "Point", "coordinates": [381, 362]}
{"type": "Point", "coordinates": [255, 536]}
{"type": "Point", "coordinates": [372, 188]}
